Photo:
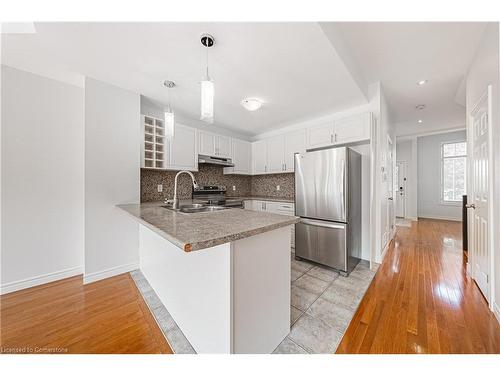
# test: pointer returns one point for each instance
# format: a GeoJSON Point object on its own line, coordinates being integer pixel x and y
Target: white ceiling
{"type": "Point", "coordinates": [292, 67]}
{"type": "Point", "coordinates": [401, 54]}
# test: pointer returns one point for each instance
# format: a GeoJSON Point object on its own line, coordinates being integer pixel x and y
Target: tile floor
{"type": "Point", "coordinates": [173, 334]}
{"type": "Point", "coordinates": [322, 306]}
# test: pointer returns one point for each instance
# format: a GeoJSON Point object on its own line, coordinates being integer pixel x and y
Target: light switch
{"type": "Point", "coordinates": [234, 188]}
{"type": "Point", "coordinates": [160, 188]}
{"type": "Point", "coordinates": [277, 187]}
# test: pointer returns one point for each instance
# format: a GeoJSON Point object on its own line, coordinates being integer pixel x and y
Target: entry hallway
{"type": "Point", "coordinates": [421, 300]}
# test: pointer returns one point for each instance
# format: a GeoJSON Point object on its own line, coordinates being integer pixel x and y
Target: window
{"type": "Point", "coordinates": [453, 169]}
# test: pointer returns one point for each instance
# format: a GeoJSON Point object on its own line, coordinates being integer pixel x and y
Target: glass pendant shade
{"type": "Point", "coordinates": [169, 123]}
{"type": "Point", "coordinates": [207, 101]}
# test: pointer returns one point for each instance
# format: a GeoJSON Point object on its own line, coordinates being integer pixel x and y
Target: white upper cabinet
{"type": "Point", "coordinates": [320, 136]}
{"type": "Point", "coordinates": [183, 150]}
{"type": "Point", "coordinates": [275, 154]}
{"type": "Point", "coordinates": [214, 145]}
{"type": "Point", "coordinates": [294, 142]}
{"type": "Point", "coordinates": [259, 152]}
{"type": "Point", "coordinates": [352, 129]}
{"type": "Point", "coordinates": [206, 143]}
{"type": "Point", "coordinates": [224, 146]}
{"type": "Point", "coordinates": [242, 158]}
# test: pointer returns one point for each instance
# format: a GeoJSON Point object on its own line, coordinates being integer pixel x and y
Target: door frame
{"type": "Point", "coordinates": [470, 181]}
{"type": "Point", "coordinates": [405, 200]}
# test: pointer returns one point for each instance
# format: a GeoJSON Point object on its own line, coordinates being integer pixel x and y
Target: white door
{"type": "Point", "coordinates": [400, 179]}
{"type": "Point", "coordinates": [294, 142]}
{"type": "Point", "coordinates": [352, 129]}
{"type": "Point", "coordinates": [183, 149]}
{"type": "Point", "coordinates": [259, 157]}
{"type": "Point", "coordinates": [241, 156]}
{"type": "Point", "coordinates": [389, 187]}
{"type": "Point", "coordinates": [275, 154]}
{"type": "Point", "coordinates": [320, 136]}
{"type": "Point", "coordinates": [206, 143]}
{"type": "Point", "coordinates": [223, 147]}
{"type": "Point", "coordinates": [481, 199]}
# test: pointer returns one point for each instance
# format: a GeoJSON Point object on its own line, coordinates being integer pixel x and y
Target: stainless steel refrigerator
{"type": "Point", "coordinates": [328, 201]}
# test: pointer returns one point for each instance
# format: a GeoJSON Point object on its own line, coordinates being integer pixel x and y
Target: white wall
{"type": "Point", "coordinates": [484, 71]}
{"type": "Point", "coordinates": [429, 177]}
{"type": "Point", "coordinates": [112, 169]}
{"type": "Point", "coordinates": [42, 179]}
{"type": "Point", "coordinates": [407, 151]}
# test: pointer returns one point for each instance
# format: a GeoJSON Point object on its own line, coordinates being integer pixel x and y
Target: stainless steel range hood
{"type": "Point", "coordinates": [224, 162]}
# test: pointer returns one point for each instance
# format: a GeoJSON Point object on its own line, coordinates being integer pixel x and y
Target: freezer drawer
{"type": "Point", "coordinates": [322, 242]}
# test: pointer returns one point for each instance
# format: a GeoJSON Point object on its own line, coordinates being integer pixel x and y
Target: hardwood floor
{"type": "Point", "coordinates": [422, 301]}
{"type": "Point", "coordinates": [107, 316]}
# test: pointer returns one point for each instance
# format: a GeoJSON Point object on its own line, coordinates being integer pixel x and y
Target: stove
{"type": "Point", "coordinates": [215, 195]}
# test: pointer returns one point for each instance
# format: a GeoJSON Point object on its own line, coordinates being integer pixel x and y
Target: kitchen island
{"type": "Point", "coordinates": [224, 276]}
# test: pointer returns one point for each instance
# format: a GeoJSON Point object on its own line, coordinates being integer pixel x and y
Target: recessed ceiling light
{"type": "Point", "coordinates": [420, 121]}
{"type": "Point", "coordinates": [420, 106]}
{"type": "Point", "coordinates": [422, 82]}
{"type": "Point", "coordinates": [251, 104]}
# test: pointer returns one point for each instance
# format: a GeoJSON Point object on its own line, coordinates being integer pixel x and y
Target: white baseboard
{"type": "Point", "coordinates": [496, 311]}
{"type": "Point", "coordinates": [110, 272]}
{"type": "Point", "coordinates": [451, 218]}
{"type": "Point", "coordinates": [39, 280]}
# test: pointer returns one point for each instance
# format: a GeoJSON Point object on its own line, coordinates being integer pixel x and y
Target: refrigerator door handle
{"type": "Point", "coordinates": [322, 224]}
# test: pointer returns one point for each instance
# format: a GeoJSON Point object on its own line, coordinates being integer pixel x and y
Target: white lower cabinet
{"type": "Point", "coordinates": [279, 208]}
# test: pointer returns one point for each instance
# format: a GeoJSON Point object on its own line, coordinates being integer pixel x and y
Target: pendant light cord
{"type": "Point", "coordinates": [206, 48]}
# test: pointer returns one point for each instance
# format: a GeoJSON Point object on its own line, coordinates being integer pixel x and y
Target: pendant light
{"type": "Point", "coordinates": [207, 86]}
{"type": "Point", "coordinates": [169, 113]}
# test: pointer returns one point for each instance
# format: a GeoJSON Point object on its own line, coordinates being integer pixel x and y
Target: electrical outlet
{"type": "Point", "coordinates": [160, 188]}
{"type": "Point", "coordinates": [234, 188]}
{"type": "Point", "coordinates": [278, 187]}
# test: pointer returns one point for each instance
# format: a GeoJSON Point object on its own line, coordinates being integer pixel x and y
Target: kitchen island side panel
{"type": "Point", "coordinates": [195, 288]}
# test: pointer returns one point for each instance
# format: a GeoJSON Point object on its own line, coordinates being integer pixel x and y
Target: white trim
{"type": "Point", "coordinates": [407, 137]}
{"type": "Point", "coordinates": [110, 272]}
{"type": "Point", "coordinates": [437, 217]}
{"type": "Point", "coordinates": [496, 311]}
{"type": "Point", "coordinates": [14, 286]}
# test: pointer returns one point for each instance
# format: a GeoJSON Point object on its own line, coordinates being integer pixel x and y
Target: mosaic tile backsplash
{"type": "Point", "coordinates": [262, 185]}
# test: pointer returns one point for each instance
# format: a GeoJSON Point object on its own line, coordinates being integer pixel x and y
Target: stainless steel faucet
{"type": "Point", "coordinates": [175, 201]}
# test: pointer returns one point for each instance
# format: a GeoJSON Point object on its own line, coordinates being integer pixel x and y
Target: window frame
{"type": "Point", "coordinates": [442, 157]}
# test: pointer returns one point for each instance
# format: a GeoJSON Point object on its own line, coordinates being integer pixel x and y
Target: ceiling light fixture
{"type": "Point", "coordinates": [420, 107]}
{"type": "Point", "coordinates": [207, 86]}
{"type": "Point", "coordinates": [420, 121]}
{"type": "Point", "coordinates": [422, 82]}
{"type": "Point", "coordinates": [169, 113]}
{"type": "Point", "coordinates": [251, 104]}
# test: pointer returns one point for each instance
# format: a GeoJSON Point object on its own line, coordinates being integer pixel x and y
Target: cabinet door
{"type": "Point", "coordinates": [241, 156]}
{"type": "Point", "coordinates": [294, 142]}
{"type": "Point", "coordinates": [275, 154]}
{"type": "Point", "coordinates": [320, 136]}
{"type": "Point", "coordinates": [206, 143]}
{"type": "Point", "coordinates": [224, 146]}
{"type": "Point", "coordinates": [183, 149]}
{"type": "Point", "coordinates": [258, 205]}
{"type": "Point", "coordinates": [260, 157]}
{"type": "Point", "coordinates": [352, 129]}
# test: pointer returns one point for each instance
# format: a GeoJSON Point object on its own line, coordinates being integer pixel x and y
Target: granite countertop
{"type": "Point", "coordinates": [197, 231]}
{"type": "Point", "coordinates": [260, 198]}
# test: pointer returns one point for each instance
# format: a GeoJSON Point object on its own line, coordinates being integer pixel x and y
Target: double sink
{"type": "Point", "coordinates": [195, 207]}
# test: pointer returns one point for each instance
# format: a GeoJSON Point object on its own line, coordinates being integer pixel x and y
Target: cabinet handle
{"type": "Point", "coordinates": [331, 138]}
{"type": "Point", "coordinates": [335, 137]}
{"type": "Point", "coordinates": [285, 167]}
